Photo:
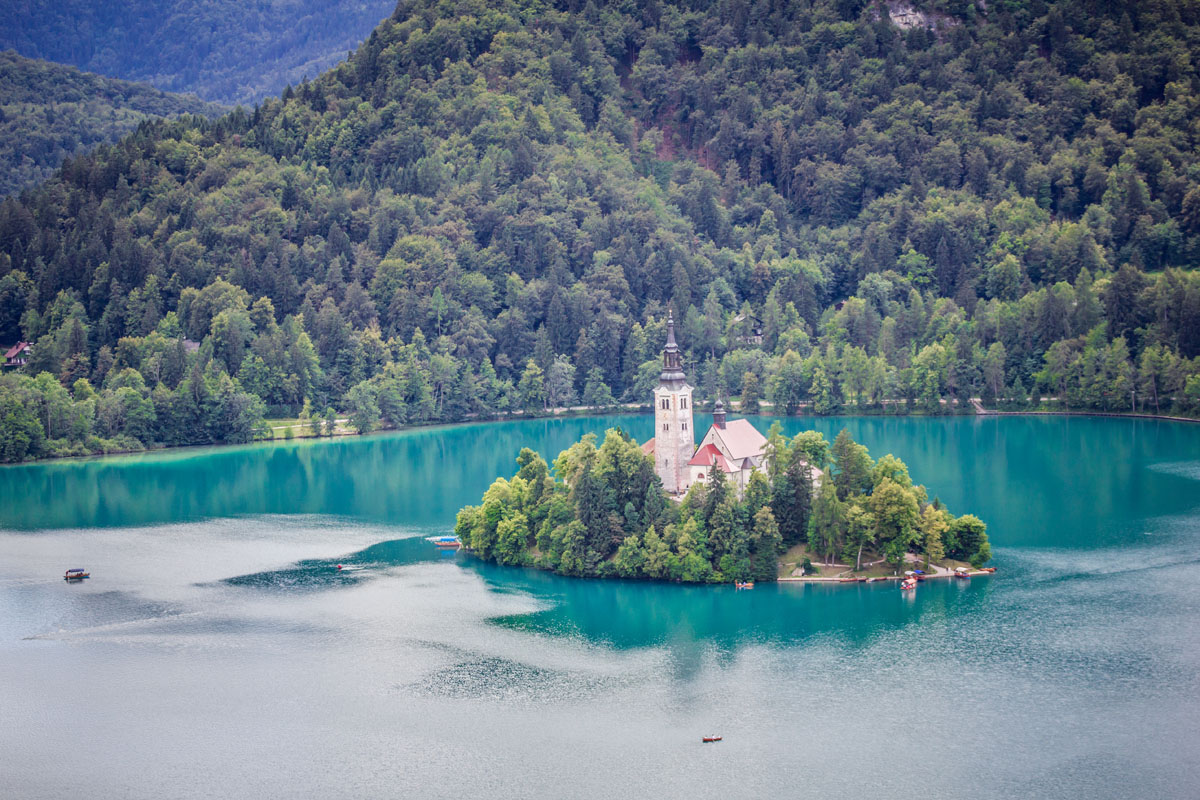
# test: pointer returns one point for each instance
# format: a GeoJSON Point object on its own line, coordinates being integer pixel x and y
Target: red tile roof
{"type": "Point", "coordinates": [742, 439]}
{"type": "Point", "coordinates": [15, 349]}
{"type": "Point", "coordinates": [648, 447]}
{"type": "Point", "coordinates": [709, 456]}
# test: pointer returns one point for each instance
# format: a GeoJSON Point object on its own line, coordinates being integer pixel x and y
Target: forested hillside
{"type": "Point", "coordinates": [49, 111]}
{"type": "Point", "coordinates": [490, 206]}
{"type": "Point", "coordinates": [222, 50]}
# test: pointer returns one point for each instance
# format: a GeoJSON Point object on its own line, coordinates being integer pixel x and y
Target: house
{"type": "Point", "coordinates": [749, 328]}
{"type": "Point", "coordinates": [17, 355]}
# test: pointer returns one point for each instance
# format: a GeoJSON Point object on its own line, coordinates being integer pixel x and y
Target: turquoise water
{"type": "Point", "coordinates": [217, 651]}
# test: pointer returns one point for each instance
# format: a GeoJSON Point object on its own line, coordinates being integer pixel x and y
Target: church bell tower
{"type": "Point", "coordinates": [674, 444]}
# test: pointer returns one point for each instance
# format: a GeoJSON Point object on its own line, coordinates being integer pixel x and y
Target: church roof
{"type": "Point", "coordinates": [710, 456]}
{"type": "Point", "coordinates": [648, 447]}
{"type": "Point", "coordinates": [742, 439]}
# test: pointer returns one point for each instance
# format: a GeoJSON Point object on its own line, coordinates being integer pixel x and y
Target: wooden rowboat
{"type": "Point", "coordinates": [711, 738]}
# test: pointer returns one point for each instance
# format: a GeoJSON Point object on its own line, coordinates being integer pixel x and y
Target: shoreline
{"type": "Point", "coordinates": [819, 579]}
{"type": "Point", "coordinates": [581, 411]}
{"type": "Point", "coordinates": [1113, 414]}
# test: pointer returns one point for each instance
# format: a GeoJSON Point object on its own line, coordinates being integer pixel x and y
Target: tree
{"type": "Point", "coordinates": [630, 558]}
{"type": "Point", "coordinates": [966, 540]}
{"type": "Point", "coordinates": [532, 387]}
{"type": "Point", "coordinates": [560, 383]}
{"type": "Point", "coordinates": [853, 465]}
{"type": "Point", "coordinates": [512, 535]}
{"type": "Point", "coordinates": [596, 393]}
{"type": "Point", "coordinates": [895, 511]}
{"type": "Point", "coordinates": [792, 497]}
{"type": "Point", "coordinates": [860, 529]}
{"type": "Point", "coordinates": [765, 546]}
{"type": "Point", "coordinates": [934, 524]}
{"type": "Point", "coordinates": [21, 435]}
{"type": "Point", "coordinates": [750, 393]}
{"type": "Point", "coordinates": [362, 406]}
{"type": "Point", "coordinates": [827, 526]}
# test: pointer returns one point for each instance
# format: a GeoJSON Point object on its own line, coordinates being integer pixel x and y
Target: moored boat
{"type": "Point", "coordinates": [76, 575]}
{"type": "Point", "coordinates": [744, 584]}
{"type": "Point", "coordinates": [962, 572]}
{"type": "Point", "coordinates": [445, 541]}
{"type": "Point", "coordinates": [908, 584]}
{"type": "Point", "coordinates": [711, 738]}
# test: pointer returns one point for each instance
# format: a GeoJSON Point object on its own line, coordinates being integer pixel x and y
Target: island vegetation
{"type": "Point", "coordinates": [487, 209]}
{"type": "Point", "coordinates": [602, 512]}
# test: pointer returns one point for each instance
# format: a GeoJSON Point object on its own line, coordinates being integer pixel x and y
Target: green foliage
{"type": "Point", "coordinates": [603, 513]}
{"type": "Point", "coordinates": [461, 217]}
{"type": "Point", "coordinates": [50, 112]}
{"type": "Point", "coordinates": [227, 51]}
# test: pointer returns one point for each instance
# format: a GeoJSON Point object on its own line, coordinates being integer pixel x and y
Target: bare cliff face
{"type": "Point", "coordinates": [905, 17]}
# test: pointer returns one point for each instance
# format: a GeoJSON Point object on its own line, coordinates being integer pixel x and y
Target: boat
{"type": "Point", "coordinates": [711, 738]}
{"type": "Point", "coordinates": [445, 541]}
{"type": "Point", "coordinates": [872, 580]}
{"type": "Point", "coordinates": [847, 580]}
{"type": "Point", "coordinates": [744, 584]}
{"type": "Point", "coordinates": [988, 570]}
{"type": "Point", "coordinates": [920, 575]}
{"type": "Point", "coordinates": [908, 584]}
{"type": "Point", "coordinates": [76, 575]}
{"type": "Point", "coordinates": [962, 572]}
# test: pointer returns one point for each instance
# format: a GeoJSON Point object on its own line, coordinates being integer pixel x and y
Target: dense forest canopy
{"type": "Point", "coordinates": [490, 205]}
{"type": "Point", "coordinates": [49, 112]}
{"type": "Point", "coordinates": [222, 50]}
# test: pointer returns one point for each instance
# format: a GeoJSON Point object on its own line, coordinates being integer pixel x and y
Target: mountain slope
{"type": "Point", "coordinates": [50, 112]}
{"type": "Point", "coordinates": [225, 51]}
{"type": "Point", "coordinates": [490, 206]}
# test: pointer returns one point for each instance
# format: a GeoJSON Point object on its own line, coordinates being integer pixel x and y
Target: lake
{"type": "Point", "coordinates": [218, 652]}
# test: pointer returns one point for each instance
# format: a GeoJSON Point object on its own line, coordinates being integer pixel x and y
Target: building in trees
{"type": "Point", "coordinates": [17, 355]}
{"type": "Point", "coordinates": [736, 448]}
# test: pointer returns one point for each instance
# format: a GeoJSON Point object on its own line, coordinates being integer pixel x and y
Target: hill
{"type": "Point", "coordinates": [224, 51]}
{"type": "Point", "coordinates": [49, 112]}
{"type": "Point", "coordinates": [489, 207]}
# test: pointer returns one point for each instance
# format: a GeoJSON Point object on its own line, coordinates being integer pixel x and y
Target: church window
{"type": "Point", "coordinates": [666, 427]}
{"type": "Point", "coordinates": [685, 426]}
{"type": "Point", "coordinates": [666, 403]}
{"type": "Point", "coordinates": [683, 402]}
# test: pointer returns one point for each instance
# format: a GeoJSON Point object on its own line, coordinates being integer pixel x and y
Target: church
{"type": "Point", "coordinates": [736, 448]}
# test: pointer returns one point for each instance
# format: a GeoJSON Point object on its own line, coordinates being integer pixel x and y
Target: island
{"type": "Point", "coordinates": [741, 507]}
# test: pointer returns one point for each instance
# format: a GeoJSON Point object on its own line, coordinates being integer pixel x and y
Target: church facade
{"type": "Point", "coordinates": [736, 448]}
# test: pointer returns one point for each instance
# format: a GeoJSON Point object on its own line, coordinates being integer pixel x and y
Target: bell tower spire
{"type": "Point", "coordinates": [674, 444]}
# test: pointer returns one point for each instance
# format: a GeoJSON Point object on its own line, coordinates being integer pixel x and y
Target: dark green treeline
{"type": "Point", "coordinates": [489, 207]}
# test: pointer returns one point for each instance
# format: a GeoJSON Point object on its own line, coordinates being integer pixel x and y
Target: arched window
{"type": "Point", "coordinates": [683, 402]}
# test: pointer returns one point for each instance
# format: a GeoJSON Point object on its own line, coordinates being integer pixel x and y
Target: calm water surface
{"type": "Point", "coordinates": [217, 652]}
